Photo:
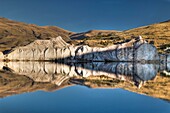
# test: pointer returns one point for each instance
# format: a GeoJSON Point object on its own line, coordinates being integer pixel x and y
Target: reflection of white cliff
{"type": "Point", "coordinates": [58, 73]}
{"type": "Point", "coordinates": [41, 71]}
{"type": "Point", "coordinates": [57, 48]}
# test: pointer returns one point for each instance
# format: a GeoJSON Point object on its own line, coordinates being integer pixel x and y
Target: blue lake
{"type": "Point", "coordinates": [80, 99]}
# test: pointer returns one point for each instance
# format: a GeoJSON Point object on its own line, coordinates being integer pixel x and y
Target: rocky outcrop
{"type": "Point", "coordinates": [38, 50]}
{"type": "Point", "coordinates": [57, 49]}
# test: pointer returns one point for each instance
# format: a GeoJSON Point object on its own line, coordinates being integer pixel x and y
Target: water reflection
{"type": "Point", "coordinates": [79, 99]}
{"type": "Point", "coordinates": [76, 73]}
{"type": "Point", "coordinates": [57, 72]}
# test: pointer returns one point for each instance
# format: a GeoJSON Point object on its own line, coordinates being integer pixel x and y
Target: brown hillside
{"type": "Point", "coordinates": [14, 33]}
{"type": "Point", "coordinates": [92, 34]}
{"type": "Point", "coordinates": [159, 33]}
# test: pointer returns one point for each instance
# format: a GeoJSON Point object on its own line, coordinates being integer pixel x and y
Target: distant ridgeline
{"type": "Point", "coordinates": [57, 49]}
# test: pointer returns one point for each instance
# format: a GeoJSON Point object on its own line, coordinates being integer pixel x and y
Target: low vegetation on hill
{"type": "Point", "coordinates": [157, 34]}
{"type": "Point", "coordinates": [13, 34]}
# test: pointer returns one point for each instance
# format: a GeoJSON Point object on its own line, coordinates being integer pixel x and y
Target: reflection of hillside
{"type": "Point", "coordinates": [57, 73]}
{"type": "Point", "coordinates": [158, 88]}
{"type": "Point", "coordinates": [20, 77]}
{"type": "Point", "coordinates": [11, 84]}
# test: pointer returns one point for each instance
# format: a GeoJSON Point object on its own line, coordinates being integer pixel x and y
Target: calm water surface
{"type": "Point", "coordinates": [22, 77]}
{"type": "Point", "coordinates": [80, 99]}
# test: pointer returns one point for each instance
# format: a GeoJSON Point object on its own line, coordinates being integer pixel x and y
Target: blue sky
{"type": "Point", "coordinates": [84, 15]}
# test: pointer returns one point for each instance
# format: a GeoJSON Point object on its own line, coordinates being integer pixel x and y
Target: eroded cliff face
{"type": "Point", "coordinates": [38, 50]}
{"type": "Point", "coordinates": [57, 49]}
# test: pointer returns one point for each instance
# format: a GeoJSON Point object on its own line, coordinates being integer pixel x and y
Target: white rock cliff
{"type": "Point", "coordinates": [58, 49]}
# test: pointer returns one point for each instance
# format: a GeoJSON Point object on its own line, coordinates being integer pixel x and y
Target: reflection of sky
{"type": "Point", "coordinates": [79, 99]}
{"type": "Point", "coordinates": [83, 15]}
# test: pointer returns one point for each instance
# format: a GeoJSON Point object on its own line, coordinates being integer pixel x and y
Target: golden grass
{"type": "Point", "coordinates": [159, 33]}
{"type": "Point", "coordinates": [13, 34]}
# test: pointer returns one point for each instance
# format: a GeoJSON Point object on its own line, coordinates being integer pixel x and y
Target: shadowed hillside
{"type": "Point", "coordinates": [13, 34]}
